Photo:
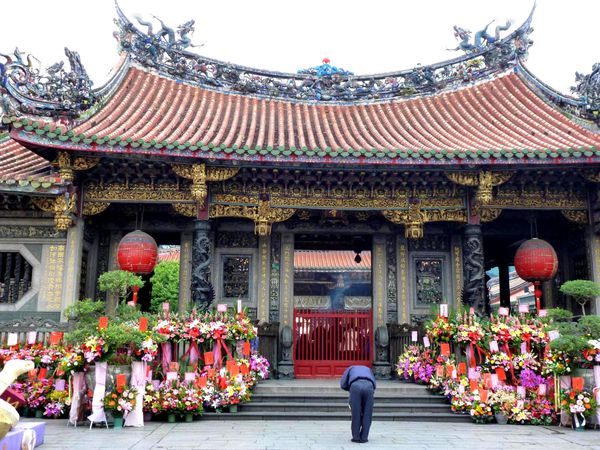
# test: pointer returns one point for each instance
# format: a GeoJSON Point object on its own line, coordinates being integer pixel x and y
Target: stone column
{"type": "Point", "coordinates": [474, 272]}
{"type": "Point", "coordinates": [202, 289]}
{"type": "Point", "coordinates": [185, 271]}
{"type": "Point", "coordinates": [286, 307]}
{"type": "Point", "coordinates": [593, 241]}
{"type": "Point", "coordinates": [264, 245]}
{"type": "Point", "coordinates": [403, 297]}
{"type": "Point", "coordinates": [381, 364]}
{"type": "Point", "coordinates": [72, 266]}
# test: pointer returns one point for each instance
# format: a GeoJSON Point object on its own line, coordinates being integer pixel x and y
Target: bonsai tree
{"type": "Point", "coordinates": [118, 283]}
{"type": "Point", "coordinates": [581, 290]}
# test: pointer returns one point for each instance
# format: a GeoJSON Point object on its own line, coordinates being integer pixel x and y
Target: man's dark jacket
{"type": "Point", "coordinates": [353, 373]}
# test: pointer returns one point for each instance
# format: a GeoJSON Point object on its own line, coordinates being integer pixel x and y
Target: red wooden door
{"type": "Point", "coordinates": [326, 342]}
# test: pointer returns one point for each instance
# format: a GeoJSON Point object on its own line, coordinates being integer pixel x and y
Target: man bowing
{"type": "Point", "coordinates": [360, 382]}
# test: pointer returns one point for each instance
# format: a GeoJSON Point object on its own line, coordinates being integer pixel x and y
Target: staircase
{"type": "Point", "coordinates": [324, 400]}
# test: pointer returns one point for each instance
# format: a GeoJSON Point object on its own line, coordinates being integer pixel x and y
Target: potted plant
{"type": "Point", "coordinates": [502, 401]}
{"type": "Point", "coordinates": [120, 402]}
{"type": "Point", "coordinates": [581, 290]}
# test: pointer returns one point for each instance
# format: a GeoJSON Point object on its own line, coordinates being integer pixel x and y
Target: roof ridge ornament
{"type": "Point", "coordinates": [588, 87]}
{"type": "Point", "coordinates": [161, 51]}
{"type": "Point", "coordinates": [481, 40]}
{"type": "Point", "coordinates": [325, 70]}
{"type": "Point", "coordinates": [24, 89]}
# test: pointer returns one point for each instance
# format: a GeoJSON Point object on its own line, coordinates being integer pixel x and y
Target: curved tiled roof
{"type": "Point", "coordinates": [20, 163]}
{"type": "Point", "coordinates": [331, 260]}
{"type": "Point", "coordinates": [497, 118]}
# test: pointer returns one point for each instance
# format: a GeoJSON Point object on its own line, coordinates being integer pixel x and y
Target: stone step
{"type": "Point", "coordinates": [396, 407]}
{"type": "Point", "coordinates": [244, 414]}
{"type": "Point", "coordinates": [384, 390]}
{"type": "Point", "coordinates": [343, 398]}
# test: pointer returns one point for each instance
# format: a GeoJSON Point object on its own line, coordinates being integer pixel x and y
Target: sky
{"type": "Point", "coordinates": [365, 37]}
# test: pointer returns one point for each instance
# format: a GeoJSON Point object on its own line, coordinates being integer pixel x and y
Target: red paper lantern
{"type": "Point", "coordinates": [536, 260]}
{"type": "Point", "coordinates": [137, 252]}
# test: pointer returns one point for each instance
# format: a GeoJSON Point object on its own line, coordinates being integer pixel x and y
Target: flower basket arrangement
{"type": "Point", "coordinates": [580, 404]}
{"type": "Point", "coordinates": [120, 401]}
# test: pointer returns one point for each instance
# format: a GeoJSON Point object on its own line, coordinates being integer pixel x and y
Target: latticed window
{"type": "Point", "coordinates": [429, 280]}
{"type": "Point", "coordinates": [15, 277]}
{"type": "Point", "coordinates": [236, 276]}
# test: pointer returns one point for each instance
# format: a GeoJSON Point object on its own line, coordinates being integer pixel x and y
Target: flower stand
{"type": "Point", "coordinates": [98, 415]}
{"type": "Point", "coordinates": [138, 380]}
{"type": "Point", "coordinates": [77, 410]}
{"type": "Point", "coordinates": [565, 416]}
{"type": "Point", "coordinates": [578, 422]}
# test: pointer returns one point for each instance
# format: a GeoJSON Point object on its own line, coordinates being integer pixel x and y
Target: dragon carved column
{"type": "Point", "coordinates": [474, 272]}
{"type": "Point", "coordinates": [202, 290]}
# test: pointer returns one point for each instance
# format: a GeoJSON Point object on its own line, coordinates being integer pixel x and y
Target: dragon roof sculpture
{"type": "Point", "coordinates": [24, 89]}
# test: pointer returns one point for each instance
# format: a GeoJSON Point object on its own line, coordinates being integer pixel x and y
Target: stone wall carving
{"type": "Point", "coordinates": [430, 242]}
{"type": "Point", "coordinates": [474, 272]}
{"type": "Point", "coordinates": [237, 239]}
{"type": "Point", "coordinates": [30, 232]}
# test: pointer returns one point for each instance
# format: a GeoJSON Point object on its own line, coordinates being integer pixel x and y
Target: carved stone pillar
{"type": "Point", "coordinates": [185, 271]}
{"type": "Point", "coordinates": [474, 273]}
{"type": "Point", "coordinates": [381, 364]}
{"type": "Point", "coordinates": [285, 368]}
{"type": "Point", "coordinates": [264, 244]}
{"type": "Point", "coordinates": [202, 289]}
{"type": "Point", "coordinates": [72, 261]}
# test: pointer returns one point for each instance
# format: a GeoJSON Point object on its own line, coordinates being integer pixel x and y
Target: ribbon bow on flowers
{"type": "Point", "coordinates": [219, 333]}
{"type": "Point", "coordinates": [471, 332]}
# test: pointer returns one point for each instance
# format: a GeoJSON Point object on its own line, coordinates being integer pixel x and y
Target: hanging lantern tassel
{"type": "Point", "coordinates": [136, 289]}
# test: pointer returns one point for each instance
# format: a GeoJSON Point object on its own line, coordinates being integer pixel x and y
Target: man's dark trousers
{"type": "Point", "coordinates": [361, 402]}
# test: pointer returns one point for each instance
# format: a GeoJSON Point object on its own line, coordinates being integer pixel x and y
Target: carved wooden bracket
{"type": "Point", "coordinates": [93, 208]}
{"type": "Point", "coordinates": [576, 215]}
{"type": "Point", "coordinates": [63, 208]}
{"type": "Point", "coordinates": [200, 175]}
{"type": "Point", "coordinates": [415, 218]}
{"type": "Point", "coordinates": [67, 165]}
{"type": "Point", "coordinates": [263, 215]}
{"type": "Point", "coordinates": [484, 180]}
{"type": "Point", "coordinates": [186, 209]}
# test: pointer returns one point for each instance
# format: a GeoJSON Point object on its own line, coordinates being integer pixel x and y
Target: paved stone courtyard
{"type": "Point", "coordinates": [233, 435]}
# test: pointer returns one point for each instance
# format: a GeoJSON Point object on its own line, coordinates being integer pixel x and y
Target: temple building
{"type": "Point", "coordinates": [305, 195]}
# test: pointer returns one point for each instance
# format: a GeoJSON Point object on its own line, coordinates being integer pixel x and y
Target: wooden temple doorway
{"type": "Point", "coordinates": [333, 324]}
